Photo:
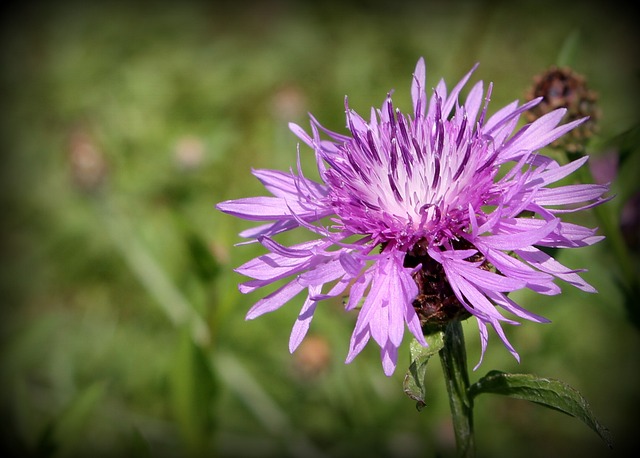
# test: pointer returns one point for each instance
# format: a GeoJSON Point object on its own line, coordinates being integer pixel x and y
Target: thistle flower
{"type": "Point", "coordinates": [432, 216]}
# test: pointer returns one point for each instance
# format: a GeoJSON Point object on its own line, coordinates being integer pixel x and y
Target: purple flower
{"type": "Point", "coordinates": [446, 196]}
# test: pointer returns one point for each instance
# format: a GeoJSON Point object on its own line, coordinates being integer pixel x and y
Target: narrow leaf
{"type": "Point", "coordinates": [138, 445]}
{"type": "Point", "coordinates": [414, 381]}
{"type": "Point", "coordinates": [550, 393]}
{"type": "Point", "coordinates": [194, 391]}
{"type": "Point", "coordinates": [569, 50]}
{"type": "Point", "coordinates": [68, 429]}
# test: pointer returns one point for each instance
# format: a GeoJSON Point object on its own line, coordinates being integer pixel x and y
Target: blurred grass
{"type": "Point", "coordinates": [123, 332]}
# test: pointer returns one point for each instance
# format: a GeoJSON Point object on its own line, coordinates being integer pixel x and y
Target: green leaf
{"type": "Point", "coordinates": [66, 431]}
{"type": "Point", "coordinates": [194, 391]}
{"type": "Point", "coordinates": [138, 445]}
{"type": "Point", "coordinates": [414, 381]}
{"type": "Point", "coordinates": [204, 264]}
{"type": "Point", "coordinates": [550, 393]}
{"type": "Point", "coordinates": [569, 50]}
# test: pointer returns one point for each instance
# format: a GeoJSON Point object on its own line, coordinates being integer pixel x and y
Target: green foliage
{"type": "Point", "coordinates": [550, 393]}
{"type": "Point", "coordinates": [66, 430]}
{"type": "Point", "coordinates": [138, 445]}
{"type": "Point", "coordinates": [193, 389]}
{"type": "Point", "coordinates": [415, 382]}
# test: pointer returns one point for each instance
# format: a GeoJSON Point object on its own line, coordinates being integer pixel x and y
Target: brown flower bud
{"type": "Point", "coordinates": [564, 88]}
{"type": "Point", "coordinates": [87, 162]}
{"type": "Point", "coordinates": [312, 358]}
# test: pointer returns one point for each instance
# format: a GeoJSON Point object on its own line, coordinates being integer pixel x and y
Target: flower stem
{"type": "Point", "coordinates": [453, 357]}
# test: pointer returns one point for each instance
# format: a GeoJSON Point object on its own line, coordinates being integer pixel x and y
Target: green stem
{"type": "Point", "coordinates": [454, 364]}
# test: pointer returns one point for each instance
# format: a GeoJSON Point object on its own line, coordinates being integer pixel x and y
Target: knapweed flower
{"type": "Point", "coordinates": [439, 214]}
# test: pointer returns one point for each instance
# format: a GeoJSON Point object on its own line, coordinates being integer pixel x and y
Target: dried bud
{"type": "Point", "coordinates": [312, 358]}
{"type": "Point", "coordinates": [87, 163]}
{"type": "Point", "coordinates": [563, 88]}
{"type": "Point", "coordinates": [288, 102]}
{"type": "Point", "coordinates": [189, 152]}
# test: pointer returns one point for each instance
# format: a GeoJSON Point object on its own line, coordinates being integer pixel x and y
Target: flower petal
{"type": "Point", "coordinates": [418, 94]}
{"type": "Point", "coordinates": [288, 185]}
{"type": "Point", "coordinates": [539, 134]}
{"type": "Point", "coordinates": [569, 194]}
{"type": "Point", "coordinates": [389, 356]}
{"type": "Point", "coordinates": [301, 326]}
{"type": "Point", "coordinates": [453, 97]}
{"type": "Point", "coordinates": [275, 300]}
{"type": "Point", "coordinates": [546, 263]}
{"type": "Point", "coordinates": [384, 312]}
{"type": "Point", "coordinates": [514, 236]}
{"type": "Point", "coordinates": [256, 208]}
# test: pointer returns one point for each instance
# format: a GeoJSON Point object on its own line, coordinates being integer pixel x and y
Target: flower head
{"type": "Point", "coordinates": [434, 216]}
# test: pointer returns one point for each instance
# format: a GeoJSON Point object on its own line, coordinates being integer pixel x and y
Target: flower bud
{"type": "Point", "coordinates": [87, 162]}
{"type": "Point", "coordinates": [564, 88]}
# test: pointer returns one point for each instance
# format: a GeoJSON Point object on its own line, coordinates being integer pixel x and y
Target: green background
{"type": "Point", "coordinates": [122, 328]}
